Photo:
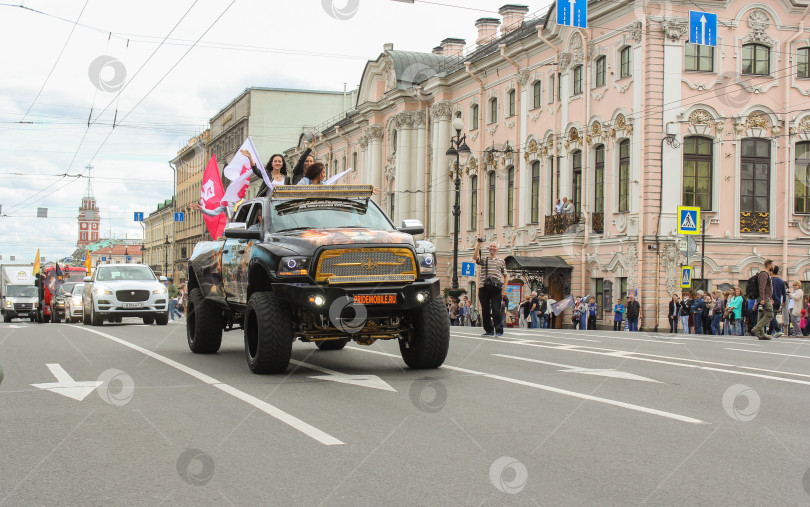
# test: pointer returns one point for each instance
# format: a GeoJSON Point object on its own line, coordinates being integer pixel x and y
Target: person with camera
{"type": "Point", "coordinates": [492, 287]}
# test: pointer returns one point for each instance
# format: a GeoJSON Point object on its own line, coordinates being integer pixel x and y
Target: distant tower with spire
{"type": "Point", "coordinates": [89, 217]}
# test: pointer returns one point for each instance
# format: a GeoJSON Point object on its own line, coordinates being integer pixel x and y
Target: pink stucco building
{"type": "Point", "coordinates": [625, 117]}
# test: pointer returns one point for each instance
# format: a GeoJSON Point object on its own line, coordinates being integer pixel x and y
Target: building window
{"type": "Point", "coordinates": [559, 86]}
{"type": "Point", "coordinates": [493, 110]}
{"type": "Point", "coordinates": [578, 80]}
{"type": "Point", "coordinates": [802, 195]}
{"type": "Point", "coordinates": [551, 89]}
{"type": "Point", "coordinates": [699, 58]}
{"type": "Point", "coordinates": [756, 60]}
{"type": "Point", "coordinates": [343, 163]}
{"type": "Point", "coordinates": [512, 102]}
{"type": "Point", "coordinates": [394, 142]}
{"type": "Point", "coordinates": [601, 71]}
{"type": "Point", "coordinates": [625, 69]}
{"type": "Point", "coordinates": [623, 288]}
{"type": "Point", "coordinates": [510, 196]}
{"type": "Point", "coordinates": [474, 117]}
{"type": "Point", "coordinates": [84, 236]}
{"type": "Point", "coordinates": [474, 203]}
{"type": "Point", "coordinates": [354, 160]}
{"type": "Point", "coordinates": [491, 201]}
{"type": "Point", "coordinates": [599, 295]}
{"type": "Point", "coordinates": [576, 169]}
{"type": "Point", "coordinates": [537, 89]}
{"type": "Point", "coordinates": [624, 175]}
{"type": "Point", "coordinates": [599, 179]}
{"type": "Point", "coordinates": [803, 64]}
{"type": "Point", "coordinates": [535, 198]}
{"type": "Point", "coordinates": [697, 172]}
{"type": "Point", "coordinates": [391, 201]}
{"type": "Point", "coordinates": [755, 176]}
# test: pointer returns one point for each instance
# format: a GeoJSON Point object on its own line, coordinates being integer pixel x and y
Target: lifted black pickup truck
{"type": "Point", "coordinates": [322, 264]}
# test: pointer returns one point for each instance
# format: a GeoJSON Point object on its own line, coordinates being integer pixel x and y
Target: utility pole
{"type": "Point", "coordinates": [703, 252]}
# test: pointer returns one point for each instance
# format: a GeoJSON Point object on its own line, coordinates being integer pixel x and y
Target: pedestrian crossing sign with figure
{"type": "Point", "coordinates": [688, 220]}
{"type": "Point", "coordinates": [686, 277]}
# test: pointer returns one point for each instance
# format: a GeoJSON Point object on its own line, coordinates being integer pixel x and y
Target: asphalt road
{"type": "Point", "coordinates": [533, 418]}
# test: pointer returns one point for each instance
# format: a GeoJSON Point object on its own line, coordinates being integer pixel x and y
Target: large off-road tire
{"type": "Point", "coordinates": [55, 317]}
{"type": "Point", "coordinates": [268, 334]}
{"type": "Point", "coordinates": [162, 318]}
{"type": "Point", "coordinates": [148, 320]}
{"type": "Point", "coordinates": [332, 344]}
{"type": "Point", "coordinates": [6, 318]}
{"type": "Point", "coordinates": [95, 318]}
{"type": "Point", "coordinates": [85, 315]}
{"type": "Point", "coordinates": [427, 343]}
{"type": "Point", "coordinates": [204, 324]}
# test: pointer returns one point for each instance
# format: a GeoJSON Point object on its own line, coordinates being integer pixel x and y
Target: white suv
{"type": "Point", "coordinates": [124, 290]}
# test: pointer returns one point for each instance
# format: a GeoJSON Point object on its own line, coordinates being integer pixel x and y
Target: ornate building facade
{"type": "Point", "coordinates": [626, 118]}
{"type": "Point", "coordinates": [189, 165]}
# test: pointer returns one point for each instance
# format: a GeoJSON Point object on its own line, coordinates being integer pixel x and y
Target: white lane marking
{"type": "Point", "coordinates": [262, 405]}
{"type": "Point", "coordinates": [607, 401]}
{"type": "Point", "coordinates": [66, 386]}
{"type": "Point", "coordinates": [562, 335]}
{"type": "Point", "coordinates": [372, 381]}
{"type": "Point", "coordinates": [773, 354]}
{"type": "Point", "coordinates": [631, 355]}
{"type": "Point", "coordinates": [612, 373]}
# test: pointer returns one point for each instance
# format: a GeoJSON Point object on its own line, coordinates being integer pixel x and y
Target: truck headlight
{"type": "Point", "coordinates": [293, 266]}
{"type": "Point", "coordinates": [427, 263]}
{"type": "Point", "coordinates": [9, 304]}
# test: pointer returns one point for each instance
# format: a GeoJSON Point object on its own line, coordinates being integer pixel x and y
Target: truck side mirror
{"type": "Point", "coordinates": [412, 226]}
{"type": "Point", "coordinates": [87, 279]}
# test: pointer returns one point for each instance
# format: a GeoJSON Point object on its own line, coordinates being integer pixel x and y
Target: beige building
{"type": "Point", "coordinates": [159, 237]}
{"type": "Point", "coordinates": [274, 118]}
{"type": "Point", "coordinates": [189, 166]}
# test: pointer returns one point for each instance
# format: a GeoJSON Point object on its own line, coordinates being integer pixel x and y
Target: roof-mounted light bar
{"type": "Point", "coordinates": [315, 191]}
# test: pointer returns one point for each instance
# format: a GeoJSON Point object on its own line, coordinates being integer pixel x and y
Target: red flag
{"type": "Point", "coordinates": [211, 194]}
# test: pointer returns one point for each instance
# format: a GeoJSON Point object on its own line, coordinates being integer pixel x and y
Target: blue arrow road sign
{"type": "Point", "coordinates": [179, 216]}
{"type": "Point", "coordinates": [103, 259]}
{"type": "Point", "coordinates": [572, 13]}
{"type": "Point", "coordinates": [702, 28]}
{"type": "Point", "coordinates": [467, 269]}
{"type": "Point", "coordinates": [139, 216]}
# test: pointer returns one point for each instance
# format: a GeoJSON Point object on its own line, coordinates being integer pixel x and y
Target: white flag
{"type": "Point", "coordinates": [236, 167]}
{"type": "Point", "coordinates": [334, 179]}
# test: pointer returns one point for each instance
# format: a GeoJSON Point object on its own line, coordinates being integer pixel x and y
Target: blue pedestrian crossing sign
{"type": "Point", "coordinates": [467, 269]}
{"type": "Point", "coordinates": [139, 216]}
{"type": "Point", "coordinates": [686, 277]}
{"type": "Point", "coordinates": [688, 220]}
{"type": "Point", "coordinates": [702, 28]}
{"type": "Point", "coordinates": [572, 13]}
{"type": "Point", "coordinates": [179, 216]}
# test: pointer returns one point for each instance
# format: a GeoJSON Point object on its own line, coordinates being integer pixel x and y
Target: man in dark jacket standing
{"type": "Point", "coordinates": [765, 301]}
{"type": "Point", "coordinates": [698, 305]}
{"type": "Point", "coordinates": [633, 312]}
{"type": "Point", "coordinates": [779, 297]}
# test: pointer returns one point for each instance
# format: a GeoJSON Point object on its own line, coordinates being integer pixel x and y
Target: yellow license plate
{"type": "Point", "coordinates": [375, 299]}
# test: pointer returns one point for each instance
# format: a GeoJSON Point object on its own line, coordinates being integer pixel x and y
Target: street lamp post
{"type": "Point", "coordinates": [458, 153]}
{"type": "Point", "coordinates": [166, 257]}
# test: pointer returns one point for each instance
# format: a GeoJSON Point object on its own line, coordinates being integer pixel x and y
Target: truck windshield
{"type": "Point", "coordinates": [111, 273]}
{"type": "Point", "coordinates": [21, 291]}
{"type": "Point", "coordinates": [327, 213]}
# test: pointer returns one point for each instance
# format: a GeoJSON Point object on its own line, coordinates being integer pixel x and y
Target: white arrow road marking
{"type": "Point", "coordinates": [66, 386]}
{"type": "Point", "coordinates": [585, 371]}
{"type": "Point", "coordinates": [565, 392]}
{"type": "Point", "coordinates": [372, 381]}
{"type": "Point", "coordinates": [272, 411]}
{"type": "Point", "coordinates": [15, 326]}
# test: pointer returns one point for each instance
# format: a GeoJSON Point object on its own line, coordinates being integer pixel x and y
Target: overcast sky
{"type": "Point", "coordinates": [165, 93]}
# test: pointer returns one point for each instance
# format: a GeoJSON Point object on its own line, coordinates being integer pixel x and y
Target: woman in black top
{"type": "Point", "coordinates": [674, 310]}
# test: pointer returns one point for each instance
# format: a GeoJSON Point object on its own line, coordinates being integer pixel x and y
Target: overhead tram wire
{"type": "Point", "coordinates": [48, 77]}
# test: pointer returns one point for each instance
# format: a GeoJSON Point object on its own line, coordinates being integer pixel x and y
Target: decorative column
{"type": "Point", "coordinates": [417, 199]}
{"type": "Point", "coordinates": [440, 202]}
{"type": "Point", "coordinates": [375, 161]}
{"type": "Point", "coordinates": [404, 167]}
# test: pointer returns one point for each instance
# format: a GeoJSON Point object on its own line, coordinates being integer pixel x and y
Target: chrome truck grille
{"type": "Point", "coordinates": [363, 265]}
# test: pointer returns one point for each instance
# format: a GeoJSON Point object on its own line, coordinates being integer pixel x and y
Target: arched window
{"type": "Point", "coordinates": [493, 110]}
{"type": "Point", "coordinates": [535, 198]}
{"type": "Point", "coordinates": [343, 163]}
{"type": "Point", "coordinates": [697, 172]}
{"type": "Point", "coordinates": [474, 203]}
{"type": "Point", "coordinates": [510, 196]}
{"type": "Point", "coordinates": [756, 60]}
{"type": "Point", "coordinates": [576, 170]}
{"type": "Point", "coordinates": [474, 117]}
{"type": "Point", "coordinates": [625, 69]}
{"type": "Point", "coordinates": [601, 71]}
{"type": "Point", "coordinates": [599, 179]}
{"type": "Point", "coordinates": [512, 102]}
{"type": "Point", "coordinates": [624, 175]}
{"type": "Point", "coordinates": [578, 80]}
{"type": "Point", "coordinates": [755, 175]}
{"type": "Point", "coordinates": [334, 168]}
{"type": "Point", "coordinates": [551, 89]}
{"type": "Point", "coordinates": [354, 160]}
{"type": "Point", "coordinates": [803, 63]}
{"type": "Point", "coordinates": [394, 142]}
{"type": "Point", "coordinates": [802, 179]}
{"type": "Point", "coordinates": [537, 90]}
{"type": "Point", "coordinates": [491, 201]}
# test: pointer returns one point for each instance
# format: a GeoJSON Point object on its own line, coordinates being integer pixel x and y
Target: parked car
{"type": "Point", "coordinates": [115, 291]}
